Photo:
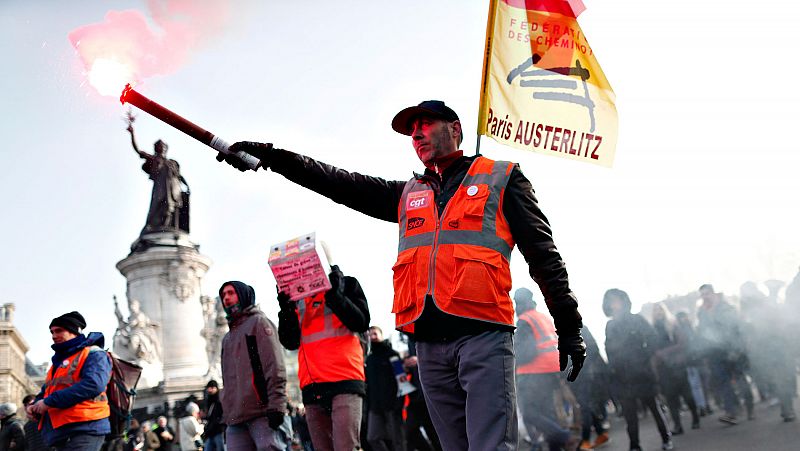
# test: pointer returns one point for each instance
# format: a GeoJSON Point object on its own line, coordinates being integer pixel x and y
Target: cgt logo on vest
{"type": "Point", "coordinates": [418, 200]}
{"type": "Point", "coordinates": [414, 223]}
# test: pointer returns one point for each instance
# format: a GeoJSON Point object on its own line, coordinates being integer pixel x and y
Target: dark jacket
{"type": "Point", "coordinates": [630, 346]}
{"type": "Point", "coordinates": [381, 382]}
{"type": "Point", "coordinates": [213, 416]}
{"type": "Point", "coordinates": [353, 312]}
{"type": "Point", "coordinates": [94, 377]}
{"type": "Point", "coordinates": [33, 437]}
{"type": "Point", "coordinates": [165, 445]}
{"type": "Point", "coordinates": [593, 385]}
{"type": "Point", "coordinates": [379, 199]}
{"type": "Point", "coordinates": [12, 435]}
{"type": "Point", "coordinates": [721, 333]}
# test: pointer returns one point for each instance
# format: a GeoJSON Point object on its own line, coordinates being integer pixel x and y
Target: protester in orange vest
{"type": "Point", "coordinates": [458, 224]}
{"type": "Point", "coordinates": [324, 328]}
{"type": "Point", "coordinates": [72, 406]}
{"type": "Point", "coordinates": [538, 373]}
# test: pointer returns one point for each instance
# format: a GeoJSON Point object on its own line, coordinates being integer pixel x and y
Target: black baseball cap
{"type": "Point", "coordinates": [432, 108]}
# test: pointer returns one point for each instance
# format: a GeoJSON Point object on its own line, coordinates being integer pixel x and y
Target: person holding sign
{"type": "Point", "coordinates": [324, 329]}
{"type": "Point", "coordinates": [459, 222]}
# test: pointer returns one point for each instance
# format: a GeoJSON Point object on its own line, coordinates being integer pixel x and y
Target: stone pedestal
{"type": "Point", "coordinates": [164, 273]}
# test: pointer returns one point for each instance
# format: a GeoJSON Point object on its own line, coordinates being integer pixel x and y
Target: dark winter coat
{"type": "Point", "coordinates": [381, 382]}
{"type": "Point", "coordinates": [213, 411]}
{"type": "Point", "coordinates": [12, 435]}
{"type": "Point", "coordinates": [33, 437]}
{"type": "Point", "coordinates": [721, 333]}
{"type": "Point", "coordinates": [593, 384]}
{"type": "Point", "coordinates": [630, 346]}
{"type": "Point", "coordinates": [165, 445]}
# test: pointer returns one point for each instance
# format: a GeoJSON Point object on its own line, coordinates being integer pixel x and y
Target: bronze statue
{"type": "Point", "coordinates": [169, 203]}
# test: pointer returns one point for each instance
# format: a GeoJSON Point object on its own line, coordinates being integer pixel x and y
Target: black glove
{"type": "Point", "coordinates": [275, 419]}
{"type": "Point", "coordinates": [262, 151]}
{"type": "Point", "coordinates": [285, 303]}
{"type": "Point", "coordinates": [336, 293]}
{"type": "Point", "coordinates": [571, 346]}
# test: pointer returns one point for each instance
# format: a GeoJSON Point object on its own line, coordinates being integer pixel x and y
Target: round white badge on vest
{"type": "Point", "coordinates": [472, 190]}
{"type": "Point", "coordinates": [65, 364]}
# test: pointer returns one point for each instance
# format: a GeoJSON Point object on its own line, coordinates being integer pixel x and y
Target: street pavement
{"type": "Point", "coordinates": [766, 432]}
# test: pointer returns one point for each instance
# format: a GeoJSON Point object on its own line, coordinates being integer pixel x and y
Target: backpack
{"type": "Point", "coordinates": [121, 392]}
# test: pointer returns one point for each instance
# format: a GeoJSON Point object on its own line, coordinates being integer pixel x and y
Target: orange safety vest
{"type": "Point", "coordinates": [329, 351]}
{"type": "Point", "coordinates": [544, 333]}
{"type": "Point", "coordinates": [66, 375]}
{"type": "Point", "coordinates": [461, 258]}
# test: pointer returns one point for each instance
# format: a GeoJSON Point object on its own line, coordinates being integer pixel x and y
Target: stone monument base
{"type": "Point", "coordinates": [164, 273]}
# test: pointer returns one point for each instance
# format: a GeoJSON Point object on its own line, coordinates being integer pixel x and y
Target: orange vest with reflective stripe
{"type": "Point", "coordinates": [66, 375]}
{"type": "Point", "coordinates": [544, 332]}
{"type": "Point", "coordinates": [329, 351]}
{"type": "Point", "coordinates": [461, 258]}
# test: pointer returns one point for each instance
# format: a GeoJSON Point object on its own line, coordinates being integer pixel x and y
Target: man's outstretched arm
{"type": "Point", "coordinates": [532, 233]}
{"type": "Point", "coordinates": [373, 196]}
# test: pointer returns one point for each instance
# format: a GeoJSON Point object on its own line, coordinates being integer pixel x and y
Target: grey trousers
{"type": "Point", "coordinates": [81, 442]}
{"type": "Point", "coordinates": [256, 435]}
{"type": "Point", "coordinates": [469, 389]}
{"type": "Point", "coordinates": [338, 430]}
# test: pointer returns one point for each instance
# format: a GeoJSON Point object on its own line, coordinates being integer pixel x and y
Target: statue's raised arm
{"type": "Point", "coordinates": [130, 119]}
{"type": "Point", "coordinates": [120, 319]}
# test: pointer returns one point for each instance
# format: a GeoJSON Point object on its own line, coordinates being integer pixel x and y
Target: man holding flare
{"type": "Point", "coordinates": [459, 222]}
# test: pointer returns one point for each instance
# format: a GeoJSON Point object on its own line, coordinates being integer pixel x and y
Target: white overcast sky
{"type": "Point", "coordinates": [704, 187]}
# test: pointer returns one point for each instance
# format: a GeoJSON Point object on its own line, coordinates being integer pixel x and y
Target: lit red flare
{"type": "Point", "coordinates": [129, 95]}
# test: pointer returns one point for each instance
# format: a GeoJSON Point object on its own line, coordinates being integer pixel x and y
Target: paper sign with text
{"type": "Point", "coordinates": [298, 268]}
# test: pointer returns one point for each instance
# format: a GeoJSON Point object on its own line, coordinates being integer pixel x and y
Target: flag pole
{"type": "Point", "coordinates": [487, 55]}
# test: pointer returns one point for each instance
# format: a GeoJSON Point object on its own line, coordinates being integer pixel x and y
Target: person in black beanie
{"type": "Point", "coordinates": [72, 322]}
{"type": "Point", "coordinates": [215, 429]}
{"type": "Point", "coordinates": [73, 409]}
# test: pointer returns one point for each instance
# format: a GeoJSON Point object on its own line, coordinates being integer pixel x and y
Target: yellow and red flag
{"type": "Point", "coordinates": [542, 88]}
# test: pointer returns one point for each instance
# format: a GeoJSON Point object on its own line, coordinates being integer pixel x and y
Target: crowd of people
{"type": "Point", "coordinates": [479, 364]}
{"type": "Point", "coordinates": [710, 356]}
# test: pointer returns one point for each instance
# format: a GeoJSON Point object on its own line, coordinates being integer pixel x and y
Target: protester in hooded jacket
{"type": "Point", "coordinates": [325, 329]}
{"type": "Point", "coordinates": [630, 342]}
{"type": "Point", "coordinates": [72, 405]}
{"type": "Point", "coordinates": [213, 434]}
{"type": "Point", "coordinates": [253, 375]}
{"type": "Point", "coordinates": [12, 436]}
